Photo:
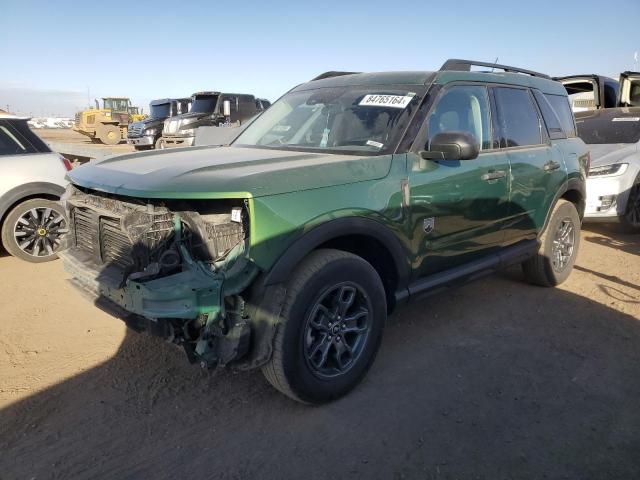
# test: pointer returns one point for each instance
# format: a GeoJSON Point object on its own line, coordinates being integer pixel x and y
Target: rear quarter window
{"type": "Point", "coordinates": [554, 128]}
{"type": "Point", "coordinates": [13, 142]}
{"type": "Point", "coordinates": [561, 106]}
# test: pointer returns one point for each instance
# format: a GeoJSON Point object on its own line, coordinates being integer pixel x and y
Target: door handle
{"type": "Point", "coordinates": [487, 177]}
{"type": "Point", "coordinates": [551, 166]}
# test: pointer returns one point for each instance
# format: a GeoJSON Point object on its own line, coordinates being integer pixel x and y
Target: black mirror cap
{"type": "Point", "coordinates": [452, 146]}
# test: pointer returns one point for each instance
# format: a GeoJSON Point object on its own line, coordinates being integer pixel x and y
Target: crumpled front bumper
{"type": "Point", "coordinates": [184, 295]}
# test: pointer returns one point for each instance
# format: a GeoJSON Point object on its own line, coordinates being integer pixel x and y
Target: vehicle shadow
{"type": "Point", "coordinates": [610, 236]}
{"type": "Point", "coordinates": [497, 379]}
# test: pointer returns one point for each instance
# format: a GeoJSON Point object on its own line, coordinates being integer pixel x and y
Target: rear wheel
{"type": "Point", "coordinates": [559, 244]}
{"type": "Point", "coordinates": [33, 230]}
{"type": "Point", "coordinates": [109, 134]}
{"type": "Point", "coordinates": [630, 221]}
{"type": "Point", "coordinates": [331, 326]}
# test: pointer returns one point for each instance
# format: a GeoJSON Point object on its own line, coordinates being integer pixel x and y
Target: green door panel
{"type": "Point", "coordinates": [467, 209]}
{"type": "Point", "coordinates": [536, 175]}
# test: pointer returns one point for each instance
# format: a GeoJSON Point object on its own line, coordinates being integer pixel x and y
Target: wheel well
{"type": "Point", "coordinates": [46, 196]}
{"type": "Point", "coordinates": [374, 252]}
{"type": "Point", "coordinates": [575, 197]}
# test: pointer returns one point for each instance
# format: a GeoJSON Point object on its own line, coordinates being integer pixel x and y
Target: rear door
{"type": "Point", "coordinates": [458, 207]}
{"type": "Point", "coordinates": [537, 168]}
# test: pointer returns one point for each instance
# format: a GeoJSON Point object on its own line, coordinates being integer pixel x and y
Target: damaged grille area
{"type": "Point", "coordinates": [118, 233]}
{"type": "Point", "coordinates": [130, 234]}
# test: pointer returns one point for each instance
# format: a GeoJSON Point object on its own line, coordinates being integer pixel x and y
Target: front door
{"type": "Point", "coordinates": [458, 207]}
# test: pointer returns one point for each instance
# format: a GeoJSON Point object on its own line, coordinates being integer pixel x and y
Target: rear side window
{"type": "Point", "coordinates": [15, 139]}
{"type": "Point", "coordinates": [519, 122]}
{"type": "Point", "coordinates": [561, 106]}
{"type": "Point", "coordinates": [554, 129]}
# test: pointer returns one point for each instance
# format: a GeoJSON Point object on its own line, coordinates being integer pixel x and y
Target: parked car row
{"type": "Point", "coordinates": [607, 114]}
{"type": "Point", "coordinates": [173, 122]}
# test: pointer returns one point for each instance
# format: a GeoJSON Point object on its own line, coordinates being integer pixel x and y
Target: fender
{"type": "Point", "coordinates": [571, 184]}
{"type": "Point", "coordinates": [338, 228]}
{"type": "Point", "coordinates": [33, 189]}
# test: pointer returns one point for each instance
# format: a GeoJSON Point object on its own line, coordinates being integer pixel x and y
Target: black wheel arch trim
{"type": "Point", "coordinates": [337, 228]}
{"type": "Point", "coordinates": [571, 184]}
{"type": "Point", "coordinates": [28, 190]}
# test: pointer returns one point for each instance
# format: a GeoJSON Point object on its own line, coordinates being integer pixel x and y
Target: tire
{"type": "Point", "coordinates": [630, 221]}
{"type": "Point", "coordinates": [304, 338]}
{"type": "Point", "coordinates": [22, 223]}
{"type": "Point", "coordinates": [159, 145]}
{"type": "Point", "coordinates": [559, 245]}
{"type": "Point", "coordinates": [109, 134]}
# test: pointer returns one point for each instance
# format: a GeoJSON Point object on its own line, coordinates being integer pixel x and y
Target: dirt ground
{"type": "Point", "coordinates": [495, 380]}
{"type": "Point", "coordinates": [58, 138]}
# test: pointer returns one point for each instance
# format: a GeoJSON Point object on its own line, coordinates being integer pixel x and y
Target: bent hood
{"type": "Point", "coordinates": [608, 153]}
{"type": "Point", "coordinates": [225, 172]}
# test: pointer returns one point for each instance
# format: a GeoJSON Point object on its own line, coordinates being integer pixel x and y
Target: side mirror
{"type": "Point", "coordinates": [452, 146]}
{"type": "Point", "coordinates": [226, 108]}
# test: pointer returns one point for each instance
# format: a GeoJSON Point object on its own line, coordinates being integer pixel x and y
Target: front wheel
{"type": "Point", "coordinates": [331, 327]}
{"type": "Point", "coordinates": [33, 230]}
{"type": "Point", "coordinates": [109, 134]}
{"type": "Point", "coordinates": [559, 244]}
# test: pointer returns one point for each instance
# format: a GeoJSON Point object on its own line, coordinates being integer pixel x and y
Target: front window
{"type": "Point", "coordinates": [337, 120]}
{"type": "Point", "coordinates": [204, 104]}
{"type": "Point", "coordinates": [160, 111]}
{"type": "Point", "coordinates": [463, 108]}
{"type": "Point", "coordinates": [116, 104]}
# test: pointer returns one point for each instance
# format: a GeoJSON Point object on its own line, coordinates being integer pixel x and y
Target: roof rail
{"type": "Point", "coordinates": [465, 66]}
{"type": "Point", "coordinates": [332, 74]}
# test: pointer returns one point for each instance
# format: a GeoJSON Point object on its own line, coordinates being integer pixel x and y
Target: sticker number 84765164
{"type": "Point", "coordinates": [393, 101]}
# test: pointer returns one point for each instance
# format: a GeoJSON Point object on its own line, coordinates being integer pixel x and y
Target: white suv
{"type": "Point", "coordinates": [32, 180]}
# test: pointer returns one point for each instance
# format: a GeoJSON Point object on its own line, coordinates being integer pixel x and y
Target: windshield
{"type": "Point", "coordinates": [342, 120]}
{"type": "Point", "coordinates": [611, 125]}
{"type": "Point", "coordinates": [117, 104]}
{"type": "Point", "coordinates": [160, 111]}
{"type": "Point", "coordinates": [204, 104]}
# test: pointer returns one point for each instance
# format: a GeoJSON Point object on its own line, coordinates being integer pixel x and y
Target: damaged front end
{"type": "Point", "coordinates": [171, 267]}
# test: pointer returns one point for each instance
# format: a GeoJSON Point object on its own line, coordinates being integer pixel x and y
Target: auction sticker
{"type": "Point", "coordinates": [393, 101]}
{"type": "Point", "coordinates": [626, 119]}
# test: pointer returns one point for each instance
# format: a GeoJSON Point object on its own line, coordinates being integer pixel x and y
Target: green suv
{"type": "Point", "coordinates": [352, 194]}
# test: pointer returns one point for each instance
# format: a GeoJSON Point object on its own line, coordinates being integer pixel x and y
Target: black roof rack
{"type": "Point", "coordinates": [332, 74]}
{"type": "Point", "coordinates": [465, 66]}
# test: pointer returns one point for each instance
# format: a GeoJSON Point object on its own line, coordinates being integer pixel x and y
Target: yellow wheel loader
{"type": "Point", "coordinates": [108, 124]}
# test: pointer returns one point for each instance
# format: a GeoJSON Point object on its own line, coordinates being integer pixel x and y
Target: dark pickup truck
{"type": "Point", "coordinates": [146, 134]}
{"type": "Point", "coordinates": [210, 109]}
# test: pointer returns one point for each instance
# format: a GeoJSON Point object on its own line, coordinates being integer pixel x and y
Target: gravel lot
{"type": "Point", "coordinates": [495, 380]}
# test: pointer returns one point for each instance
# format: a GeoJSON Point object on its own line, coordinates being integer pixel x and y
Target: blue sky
{"type": "Point", "coordinates": [51, 51]}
